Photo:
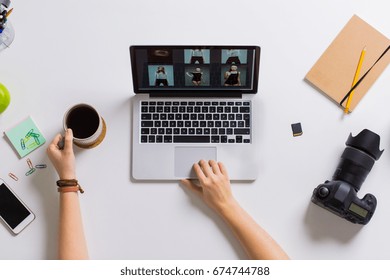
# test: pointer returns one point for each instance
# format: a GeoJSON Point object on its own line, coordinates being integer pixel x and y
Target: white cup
{"type": "Point", "coordinates": [89, 128]}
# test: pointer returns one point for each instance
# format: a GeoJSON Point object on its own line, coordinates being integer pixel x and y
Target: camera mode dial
{"type": "Point", "coordinates": [370, 199]}
{"type": "Point", "coordinates": [323, 192]}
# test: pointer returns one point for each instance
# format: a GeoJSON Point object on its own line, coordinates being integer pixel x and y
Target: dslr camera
{"type": "Point", "coordinates": [339, 196]}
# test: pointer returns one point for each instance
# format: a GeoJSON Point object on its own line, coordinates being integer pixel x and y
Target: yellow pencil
{"type": "Point", "coordinates": [9, 12]}
{"type": "Point", "coordinates": [355, 79]}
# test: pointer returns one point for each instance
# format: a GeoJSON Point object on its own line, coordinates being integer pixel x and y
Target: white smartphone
{"type": "Point", "coordinates": [13, 211]}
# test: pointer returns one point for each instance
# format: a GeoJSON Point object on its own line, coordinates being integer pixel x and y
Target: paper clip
{"type": "Point", "coordinates": [32, 145]}
{"type": "Point", "coordinates": [13, 176]}
{"type": "Point", "coordinates": [28, 135]}
{"type": "Point", "coordinates": [40, 166]}
{"type": "Point", "coordinates": [22, 144]}
{"type": "Point", "coordinates": [31, 171]}
{"type": "Point", "coordinates": [30, 163]}
{"type": "Point", "coordinates": [37, 140]}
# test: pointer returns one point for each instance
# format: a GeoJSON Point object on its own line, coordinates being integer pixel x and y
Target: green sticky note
{"type": "Point", "coordinates": [25, 137]}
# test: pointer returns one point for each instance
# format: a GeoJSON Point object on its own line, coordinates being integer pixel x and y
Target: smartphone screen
{"type": "Point", "coordinates": [12, 211]}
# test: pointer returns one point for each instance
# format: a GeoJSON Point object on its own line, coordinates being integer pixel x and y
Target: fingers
{"type": "Point", "coordinates": [199, 172]}
{"type": "Point", "coordinates": [56, 139]}
{"type": "Point", "coordinates": [53, 145]}
{"type": "Point", "coordinates": [223, 169]}
{"type": "Point", "coordinates": [190, 185]}
{"type": "Point", "coordinates": [209, 168]}
{"type": "Point", "coordinates": [206, 169]}
{"type": "Point", "coordinates": [68, 140]}
{"type": "Point", "coordinates": [62, 142]}
{"type": "Point", "coordinates": [215, 167]}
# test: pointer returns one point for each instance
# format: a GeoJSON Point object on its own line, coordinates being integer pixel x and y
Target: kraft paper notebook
{"type": "Point", "coordinates": [334, 72]}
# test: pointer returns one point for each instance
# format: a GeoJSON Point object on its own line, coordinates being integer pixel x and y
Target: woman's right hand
{"type": "Point", "coordinates": [214, 186]}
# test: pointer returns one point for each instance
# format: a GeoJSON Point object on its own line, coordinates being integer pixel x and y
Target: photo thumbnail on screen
{"type": "Point", "coordinates": [161, 75]}
{"type": "Point", "coordinates": [197, 76]}
{"type": "Point", "coordinates": [197, 56]}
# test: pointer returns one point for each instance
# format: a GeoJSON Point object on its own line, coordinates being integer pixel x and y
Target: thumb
{"type": "Point", "coordinates": [193, 187]}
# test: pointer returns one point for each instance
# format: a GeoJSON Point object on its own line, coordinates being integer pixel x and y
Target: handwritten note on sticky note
{"type": "Point", "coordinates": [25, 137]}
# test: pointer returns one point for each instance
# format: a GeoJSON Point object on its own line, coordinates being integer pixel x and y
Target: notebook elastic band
{"type": "Point", "coordinates": [361, 79]}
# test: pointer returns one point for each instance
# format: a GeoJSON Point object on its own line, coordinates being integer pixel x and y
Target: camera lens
{"type": "Point", "coordinates": [358, 158]}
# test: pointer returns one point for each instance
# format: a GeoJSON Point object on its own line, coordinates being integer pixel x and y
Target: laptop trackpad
{"type": "Point", "coordinates": [185, 157]}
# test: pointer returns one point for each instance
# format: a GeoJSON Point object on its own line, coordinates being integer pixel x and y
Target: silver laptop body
{"type": "Point", "coordinates": [193, 103]}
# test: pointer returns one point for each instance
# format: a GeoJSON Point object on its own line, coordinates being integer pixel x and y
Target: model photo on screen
{"type": "Point", "coordinates": [232, 77]}
{"type": "Point", "coordinates": [197, 56]}
{"type": "Point", "coordinates": [234, 56]}
{"type": "Point", "coordinates": [197, 76]}
{"type": "Point", "coordinates": [161, 75]}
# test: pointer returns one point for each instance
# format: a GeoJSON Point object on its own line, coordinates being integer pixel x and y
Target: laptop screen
{"type": "Point", "coordinates": [196, 69]}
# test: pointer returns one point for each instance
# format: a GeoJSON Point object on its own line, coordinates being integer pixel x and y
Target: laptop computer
{"type": "Point", "coordinates": [193, 103]}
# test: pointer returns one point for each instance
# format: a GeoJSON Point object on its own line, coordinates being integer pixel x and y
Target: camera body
{"type": "Point", "coordinates": [341, 199]}
{"type": "Point", "coordinates": [339, 196]}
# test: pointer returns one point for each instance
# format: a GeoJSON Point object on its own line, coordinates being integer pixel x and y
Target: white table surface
{"type": "Point", "coordinates": [66, 52]}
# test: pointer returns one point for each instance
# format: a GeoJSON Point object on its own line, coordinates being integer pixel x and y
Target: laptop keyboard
{"type": "Point", "coordinates": [195, 122]}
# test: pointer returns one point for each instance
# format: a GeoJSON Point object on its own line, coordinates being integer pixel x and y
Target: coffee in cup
{"type": "Point", "coordinates": [89, 128]}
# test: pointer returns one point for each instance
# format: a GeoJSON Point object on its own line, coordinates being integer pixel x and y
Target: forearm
{"type": "Point", "coordinates": [257, 243]}
{"type": "Point", "coordinates": [72, 243]}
